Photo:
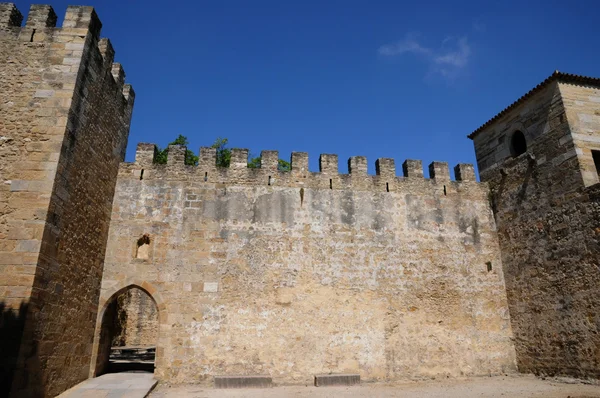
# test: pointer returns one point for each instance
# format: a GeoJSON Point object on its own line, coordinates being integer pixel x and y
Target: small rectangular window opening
{"type": "Point", "coordinates": [387, 187]}
{"type": "Point", "coordinates": [489, 266]}
{"type": "Point", "coordinates": [445, 191]}
{"type": "Point", "coordinates": [596, 156]}
{"type": "Point", "coordinates": [205, 176]}
{"type": "Point", "coordinates": [330, 183]}
{"type": "Point", "coordinates": [142, 174]}
{"type": "Point", "coordinates": [269, 180]}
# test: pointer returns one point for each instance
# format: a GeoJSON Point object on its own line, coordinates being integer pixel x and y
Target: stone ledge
{"type": "Point", "coordinates": [337, 380]}
{"type": "Point", "coordinates": [260, 381]}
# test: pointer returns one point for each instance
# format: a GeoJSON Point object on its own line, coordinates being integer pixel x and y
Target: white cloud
{"type": "Point", "coordinates": [457, 56]}
{"type": "Point", "coordinates": [448, 60]}
{"type": "Point", "coordinates": [408, 45]}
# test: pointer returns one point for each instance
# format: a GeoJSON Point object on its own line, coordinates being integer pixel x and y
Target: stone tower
{"type": "Point", "coordinates": [541, 157]}
{"type": "Point", "coordinates": [64, 121]}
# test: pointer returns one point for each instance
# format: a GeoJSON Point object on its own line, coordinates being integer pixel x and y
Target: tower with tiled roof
{"type": "Point", "coordinates": [541, 158]}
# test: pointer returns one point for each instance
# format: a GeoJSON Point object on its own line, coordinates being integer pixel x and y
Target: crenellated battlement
{"type": "Point", "coordinates": [78, 19]}
{"type": "Point", "coordinates": [41, 16]}
{"type": "Point", "coordinates": [328, 176]}
{"type": "Point", "coordinates": [79, 34]}
{"type": "Point", "coordinates": [10, 16]}
{"type": "Point", "coordinates": [64, 121]}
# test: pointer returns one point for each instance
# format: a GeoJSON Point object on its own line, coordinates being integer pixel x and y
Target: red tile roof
{"type": "Point", "coordinates": [556, 76]}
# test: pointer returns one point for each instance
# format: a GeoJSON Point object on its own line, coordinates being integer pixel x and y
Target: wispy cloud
{"type": "Point", "coordinates": [408, 45]}
{"type": "Point", "coordinates": [448, 59]}
{"type": "Point", "coordinates": [479, 25]}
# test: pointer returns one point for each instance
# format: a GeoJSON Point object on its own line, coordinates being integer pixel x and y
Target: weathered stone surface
{"type": "Point", "coordinates": [337, 380]}
{"type": "Point", "coordinates": [137, 318]}
{"type": "Point", "coordinates": [63, 132]}
{"type": "Point", "coordinates": [315, 273]}
{"type": "Point", "coordinates": [243, 381]}
{"type": "Point", "coordinates": [548, 216]}
{"type": "Point", "coordinates": [253, 271]}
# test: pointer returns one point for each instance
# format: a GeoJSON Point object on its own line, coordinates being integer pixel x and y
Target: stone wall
{"type": "Point", "coordinates": [548, 224]}
{"type": "Point", "coordinates": [64, 123]}
{"type": "Point", "coordinates": [582, 109]}
{"type": "Point", "coordinates": [137, 318]}
{"type": "Point", "coordinates": [296, 273]}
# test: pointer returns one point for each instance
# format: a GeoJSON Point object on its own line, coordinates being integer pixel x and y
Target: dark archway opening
{"type": "Point", "coordinates": [518, 144]}
{"type": "Point", "coordinates": [129, 333]}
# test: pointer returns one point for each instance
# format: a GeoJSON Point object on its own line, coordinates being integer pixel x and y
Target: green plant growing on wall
{"type": "Point", "coordinates": [282, 165]}
{"type": "Point", "coordinates": [254, 162]}
{"type": "Point", "coordinates": [223, 155]}
{"type": "Point", "coordinates": [190, 158]}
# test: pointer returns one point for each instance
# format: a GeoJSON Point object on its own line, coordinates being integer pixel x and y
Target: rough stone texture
{"type": "Point", "coordinates": [64, 123]}
{"type": "Point", "coordinates": [315, 273]}
{"type": "Point", "coordinates": [582, 108]}
{"type": "Point", "coordinates": [138, 319]}
{"type": "Point", "coordinates": [290, 274]}
{"type": "Point", "coordinates": [548, 218]}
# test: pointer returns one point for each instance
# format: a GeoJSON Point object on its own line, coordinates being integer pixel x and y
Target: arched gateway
{"type": "Point", "coordinates": [130, 314]}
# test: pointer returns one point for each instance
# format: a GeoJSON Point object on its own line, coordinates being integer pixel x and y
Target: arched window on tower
{"type": "Point", "coordinates": [518, 144]}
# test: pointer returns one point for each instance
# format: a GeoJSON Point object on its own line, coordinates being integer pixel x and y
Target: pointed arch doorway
{"type": "Point", "coordinates": [127, 331]}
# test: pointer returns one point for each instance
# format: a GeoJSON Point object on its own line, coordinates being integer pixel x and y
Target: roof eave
{"type": "Point", "coordinates": [556, 76]}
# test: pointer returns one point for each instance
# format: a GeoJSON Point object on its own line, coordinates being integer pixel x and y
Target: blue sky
{"type": "Point", "coordinates": [373, 78]}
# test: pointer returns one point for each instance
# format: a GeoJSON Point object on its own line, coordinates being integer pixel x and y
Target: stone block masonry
{"type": "Point", "coordinates": [64, 123]}
{"type": "Point", "coordinates": [546, 201]}
{"type": "Point", "coordinates": [138, 320]}
{"type": "Point", "coordinates": [292, 274]}
{"type": "Point", "coordinates": [243, 275]}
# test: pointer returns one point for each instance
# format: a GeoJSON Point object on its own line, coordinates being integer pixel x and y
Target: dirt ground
{"type": "Point", "coordinates": [485, 387]}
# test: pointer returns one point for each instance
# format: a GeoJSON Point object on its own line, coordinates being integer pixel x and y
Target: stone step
{"type": "Point", "coordinates": [337, 380]}
{"type": "Point", "coordinates": [142, 354]}
{"type": "Point", "coordinates": [258, 381]}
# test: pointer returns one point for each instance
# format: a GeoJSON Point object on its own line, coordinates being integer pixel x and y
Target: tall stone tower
{"type": "Point", "coordinates": [64, 121]}
{"type": "Point", "coordinates": [541, 157]}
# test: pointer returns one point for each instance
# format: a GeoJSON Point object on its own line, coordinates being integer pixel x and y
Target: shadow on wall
{"type": "Point", "coordinates": [128, 333]}
{"type": "Point", "coordinates": [12, 328]}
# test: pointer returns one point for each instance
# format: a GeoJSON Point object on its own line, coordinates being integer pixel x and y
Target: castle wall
{"type": "Point", "coordinates": [296, 273]}
{"type": "Point", "coordinates": [137, 317]}
{"type": "Point", "coordinates": [64, 123]}
{"type": "Point", "coordinates": [548, 227]}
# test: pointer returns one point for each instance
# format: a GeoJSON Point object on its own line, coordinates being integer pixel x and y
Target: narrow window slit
{"type": "Point", "coordinates": [518, 144]}
{"type": "Point", "coordinates": [142, 174]}
{"type": "Point", "coordinates": [330, 183]}
{"type": "Point", "coordinates": [269, 180]}
{"type": "Point", "coordinates": [205, 176]}
{"type": "Point", "coordinates": [445, 190]}
{"type": "Point", "coordinates": [387, 187]}
{"type": "Point", "coordinates": [489, 266]}
{"type": "Point", "coordinates": [32, 34]}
